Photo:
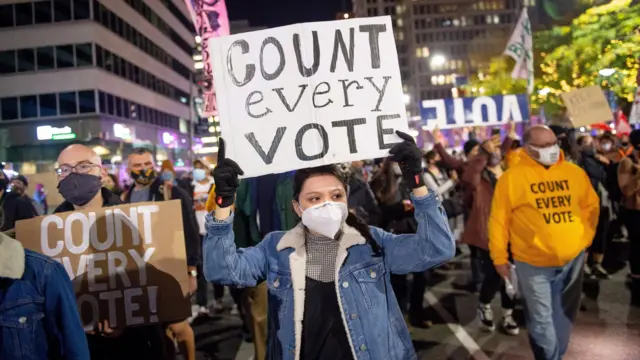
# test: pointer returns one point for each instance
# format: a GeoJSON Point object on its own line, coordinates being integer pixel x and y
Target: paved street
{"type": "Point", "coordinates": [607, 329]}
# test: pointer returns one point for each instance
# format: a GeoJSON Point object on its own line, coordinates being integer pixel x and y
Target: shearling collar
{"type": "Point", "coordinates": [11, 258]}
{"type": "Point", "coordinates": [294, 238]}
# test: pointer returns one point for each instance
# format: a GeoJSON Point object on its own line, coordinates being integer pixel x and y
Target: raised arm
{"type": "Point", "coordinates": [431, 245]}
{"type": "Point", "coordinates": [449, 161]}
{"type": "Point", "coordinates": [223, 262]}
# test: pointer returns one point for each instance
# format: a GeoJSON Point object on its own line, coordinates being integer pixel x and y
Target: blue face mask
{"type": "Point", "coordinates": [167, 176]}
{"type": "Point", "coordinates": [199, 174]}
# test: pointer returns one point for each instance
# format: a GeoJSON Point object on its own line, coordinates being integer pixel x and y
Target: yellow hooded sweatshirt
{"type": "Point", "coordinates": [548, 215]}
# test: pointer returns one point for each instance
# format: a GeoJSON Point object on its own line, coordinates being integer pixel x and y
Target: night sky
{"type": "Point", "coordinates": [273, 13]}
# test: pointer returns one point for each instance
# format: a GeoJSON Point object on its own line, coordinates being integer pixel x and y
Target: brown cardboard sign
{"type": "Point", "coordinates": [587, 106]}
{"type": "Point", "coordinates": [127, 263]}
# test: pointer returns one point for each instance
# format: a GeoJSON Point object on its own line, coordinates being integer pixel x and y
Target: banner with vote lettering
{"type": "Point", "coordinates": [127, 263]}
{"type": "Point", "coordinates": [309, 94]}
{"type": "Point", "coordinates": [474, 111]}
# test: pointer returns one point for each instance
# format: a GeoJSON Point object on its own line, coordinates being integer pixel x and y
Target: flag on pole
{"type": "Point", "coordinates": [634, 115]}
{"type": "Point", "coordinates": [520, 48]}
{"type": "Point", "coordinates": [622, 126]}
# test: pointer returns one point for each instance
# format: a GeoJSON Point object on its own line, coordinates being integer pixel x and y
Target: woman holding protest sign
{"type": "Point", "coordinates": [330, 295]}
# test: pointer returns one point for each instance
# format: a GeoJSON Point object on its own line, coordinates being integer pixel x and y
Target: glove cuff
{"type": "Point", "coordinates": [413, 181]}
{"type": "Point", "coordinates": [224, 201]}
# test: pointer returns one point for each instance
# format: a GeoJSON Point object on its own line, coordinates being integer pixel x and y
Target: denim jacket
{"type": "Point", "coordinates": [39, 319]}
{"type": "Point", "coordinates": [370, 313]}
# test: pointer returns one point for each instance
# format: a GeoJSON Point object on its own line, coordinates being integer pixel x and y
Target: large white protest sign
{"type": "Point", "coordinates": [309, 94]}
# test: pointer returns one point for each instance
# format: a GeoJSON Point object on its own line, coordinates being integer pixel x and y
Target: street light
{"type": "Point", "coordinates": [607, 72]}
{"type": "Point", "coordinates": [438, 60]}
{"type": "Point", "coordinates": [544, 91]}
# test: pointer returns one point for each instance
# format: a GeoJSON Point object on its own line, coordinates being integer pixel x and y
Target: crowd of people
{"type": "Point", "coordinates": [317, 260]}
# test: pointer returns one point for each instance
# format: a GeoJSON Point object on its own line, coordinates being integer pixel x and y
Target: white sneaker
{"type": "Point", "coordinates": [202, 310]}
{"type": "Point", "coordinates": [486, 317]}
{"type": "Point", "coordinates": [234, 310]}
{"type": "Point", "coordinates": [509, 325]}
{"type": "Point", "coordinates": [195, 311]}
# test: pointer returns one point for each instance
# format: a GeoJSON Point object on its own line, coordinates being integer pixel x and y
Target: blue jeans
{"type": "Point", "coordinates": [552, 298]}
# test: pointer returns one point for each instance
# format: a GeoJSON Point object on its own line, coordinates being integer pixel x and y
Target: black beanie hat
{"type": "Point", "coordinates": [469, 145]}
{"type": "Point", "coordinates": [634, 138]}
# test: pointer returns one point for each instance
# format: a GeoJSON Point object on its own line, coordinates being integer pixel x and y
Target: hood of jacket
{"type": "Point", "coordinates": [12, 258]}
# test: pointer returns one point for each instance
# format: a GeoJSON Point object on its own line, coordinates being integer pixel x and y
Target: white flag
{"type": "Point", "coordinates": [634, 116]}
{"type": "Point", "coordinates": [520, 48]}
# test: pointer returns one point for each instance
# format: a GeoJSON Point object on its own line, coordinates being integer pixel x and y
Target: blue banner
{"type": "Point", "coordinates": [474, 111]}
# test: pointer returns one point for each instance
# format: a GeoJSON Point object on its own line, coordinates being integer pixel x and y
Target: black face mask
{"type": "Point", "coordinates": [79, 189]}
{"type": "Point", "coordinates": [589, 151]}
{"type": "Point", "coordinates": [143, 177]}
{"type": "Point", "coordinates": [624, 143]}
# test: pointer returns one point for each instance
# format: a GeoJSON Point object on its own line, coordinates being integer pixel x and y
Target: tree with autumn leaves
{"type": "Point", "coordinates": [572, 56]}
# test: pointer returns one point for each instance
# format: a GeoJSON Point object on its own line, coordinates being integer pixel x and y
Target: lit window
{"type": "Point", "coordinates": [463, 21]}
{"type": "Point", "coordinates": [425, 51]}
{"type": "Point", "coordinates": [401, 36]}
{"type": "Point", "coordinates": [434, 79]}
{"type": "Point", "coordinates": [489, 19]}
{"type": "Point", "coordinates": [496, 19]}
{"type": "Point", "coordinates": [418, 52]}
{"type": "Point", "coordinates": [400, 22]}
{"type": "Point", "coordinates": [456, 22]}
{"type": "Point", "coordinates": [441, 80]}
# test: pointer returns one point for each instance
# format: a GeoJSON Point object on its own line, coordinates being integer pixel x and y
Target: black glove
{"type": "Point", "coordinates": [409, 157]}
{"type": "Point", "coordinates": [225, 176]}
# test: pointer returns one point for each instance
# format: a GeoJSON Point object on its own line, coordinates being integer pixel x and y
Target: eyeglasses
{"type": "Point", "coordinates": [81, 168]}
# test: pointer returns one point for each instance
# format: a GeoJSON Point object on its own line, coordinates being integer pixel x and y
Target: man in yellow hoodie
{"type": "Point", "coordinates": [544, 211]}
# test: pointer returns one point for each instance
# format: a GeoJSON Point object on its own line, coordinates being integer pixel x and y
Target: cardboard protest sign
{"type": "Point", "coordinates": [474, 111]}
{"type": "Point", "coordinates": [127, 263]}
{"type": "Point", "coordinates": [587, 106]}
{"type": "Point", "coordinates": [309, 94]}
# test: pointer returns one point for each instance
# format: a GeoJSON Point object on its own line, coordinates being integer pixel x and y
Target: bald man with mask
{"type": "Point", "coordinates": [80, 174]}
{"type": "Point", "coordinates": [545, 212]}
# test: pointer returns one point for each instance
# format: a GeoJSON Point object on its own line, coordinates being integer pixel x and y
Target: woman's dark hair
{"type": "Point", "coordinates": [430, 155]}
{"type": "Point", "coordinates": [385, 183]}
{"type": "Point", "coordinates": [352, 220]}
{"type": "Point", "coordinates": [580, 141]}
{"type": "Point", "coordinates": [516, 144]}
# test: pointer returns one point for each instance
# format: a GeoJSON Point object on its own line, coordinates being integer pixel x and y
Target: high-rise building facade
{"type": "Point", "coordinates": [114, 74]}
{"type": "Point", "coordinates": [444, 42]}
{"type": "Point", "coordinates": [208, 129]}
